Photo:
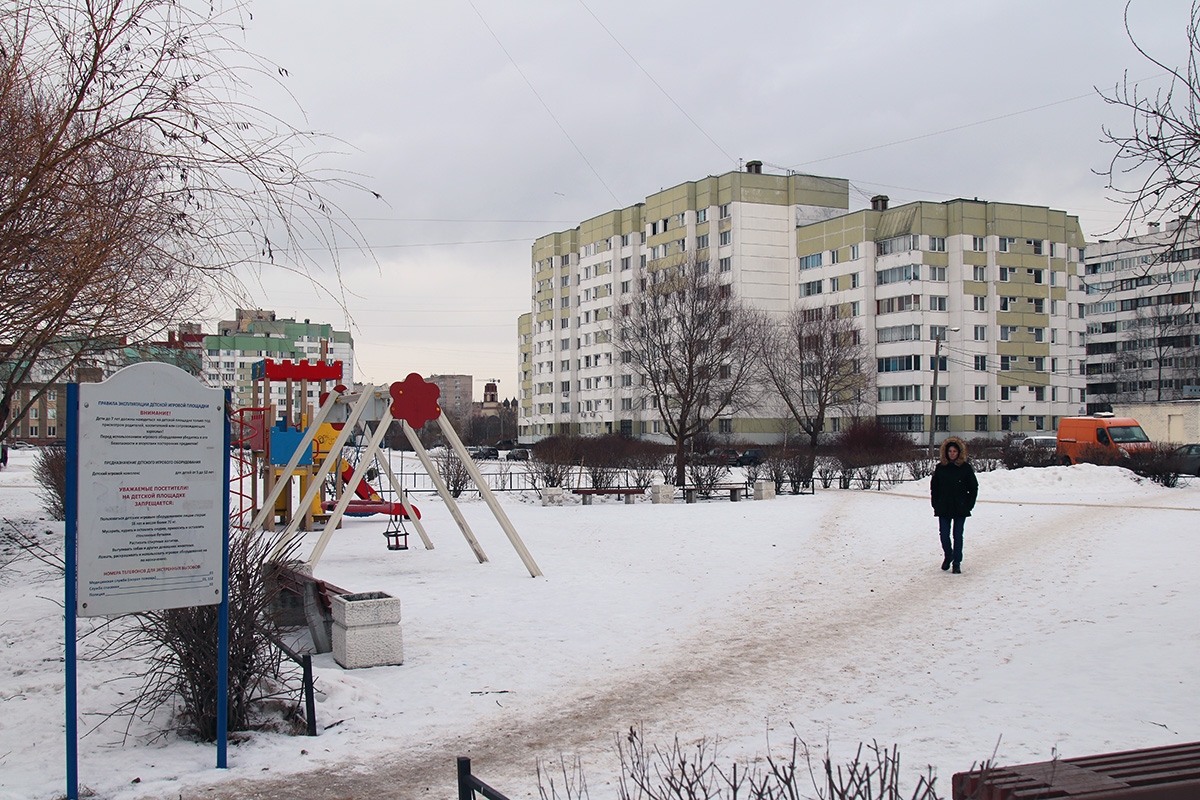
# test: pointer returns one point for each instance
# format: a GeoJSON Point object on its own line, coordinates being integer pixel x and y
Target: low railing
{"type": "Point", "coordinates": [468, 784]}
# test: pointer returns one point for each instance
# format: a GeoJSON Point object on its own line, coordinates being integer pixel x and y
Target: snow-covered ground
{"type": "Point", "coordinates": [1073, 630]}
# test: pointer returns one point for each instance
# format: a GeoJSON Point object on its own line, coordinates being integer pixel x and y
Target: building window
{"type": "Point", "coordinates": [981, 333]}
{"type": "Point", "coordinates": [1036, 274]}
{"type": "Point", "coordinates": [939, 365]}
{"type": "Point", "coordinates": [701, 216]}
{"type": "Point", "coordinates": [853, 252]}
{"type": "Point", "coordinates": [1037, 245]}
{"type": "Point", "coordinates": [724, 426]}
{"type": "Point", "coordinates": [1006, 332]}
{"type": "Point", "coordinates": [977, 246]}
{"type": "Point", "coordinates": [897, 394]}
{"type": "Point", "coordinates": [809, 262]}
{"type": "Point", "coordinates": [833, 257]}
{"type": "Point", "coordinates": [937, 244]}
{"type": "Point", "coordinates": [937, 332]}
{"type": "Point", "coordinates": [980, 303]}
{"type": "Point", "coordinates": [1006, 392]}
{"type": "Point", "coordinates": [702, 241]}
{"type": "Point", "coordinates": [726, 264]}
{"type": "Point", "coordinates": [723, 212]}
{"type": "Point", "coordinates": [904, 423]}
{"type": "Point", "coordinates": [907, 302]}
{"type": "Point", "coordinates": [810, 288]}
{"type": "Point", "coordinates": [724, 238]}
{"type": "Point", "coordinates": [1004, 243]}
{"type": "Point", "coordinates": [981, 393]}
{"type": "Point", "coordinates": [981, 363]}
{"type": "Point", "coordinates": [981, 422]}
{"type": "Point", "coordinates": [937, 303]}
{"type": "Point", "coordinates": [1005, 366]}
{"type": "Point", "coordinates": [980, 273]}
{"type": "Point", "coordinates": [937, 274]}
{"type": "Point", "coordinates": [702, 267]}
{"type": "Point", "coordinates": [908, 272]}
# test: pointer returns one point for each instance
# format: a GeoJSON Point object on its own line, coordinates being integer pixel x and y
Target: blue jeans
{"type": "Point", "coordinates": [953, 553]}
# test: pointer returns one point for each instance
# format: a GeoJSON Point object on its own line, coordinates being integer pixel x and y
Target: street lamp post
{"type": "Point", "coordinates": [937, 363]}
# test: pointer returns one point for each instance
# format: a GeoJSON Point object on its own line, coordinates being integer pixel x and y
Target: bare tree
{"type": "Point", "coordinates": [818, 363]}
{"type": "Point", "coordinates": [695, 344]}
{"type": "Point", "coordinates": [1154, 170]}
{"type": "Point", "coordinates": [133, 176]}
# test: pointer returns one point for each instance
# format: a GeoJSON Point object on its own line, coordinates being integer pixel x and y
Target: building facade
{"type": "Point", "coordinates": [255, 334]}
{"type": "Point", "coordinates": [994, 289]}
{"type": "Point", "coordinates": [1143, 329]}
{"type": "Point", "coordinates": [739, 226]}
{"type": "Point", "coordinates": [456, 395]}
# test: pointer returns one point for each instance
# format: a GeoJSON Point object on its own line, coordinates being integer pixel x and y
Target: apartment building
{"type": "Point", "coordinates": [1143, 329]}
{"type": "Point", "coordinates": [255, 334]}
{"type": "Point", "coordinates": [456, 395]}
{"type": "Point", "coordinates": [993, 289]}
{"type": "Point", "coordinates": [740, 226]}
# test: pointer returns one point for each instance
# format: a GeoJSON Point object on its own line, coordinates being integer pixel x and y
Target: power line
{"type": "Point", "coordinates": [657, 85]}
{"type": "Point", "coordinates": [528, 83]}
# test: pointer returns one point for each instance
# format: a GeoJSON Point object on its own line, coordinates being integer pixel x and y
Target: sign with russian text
{"type": "Point", "coordinates": [151, 485]}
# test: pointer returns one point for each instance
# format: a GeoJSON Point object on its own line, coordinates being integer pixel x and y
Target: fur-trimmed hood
{"type": "Point", "coordinates": [962, 451]}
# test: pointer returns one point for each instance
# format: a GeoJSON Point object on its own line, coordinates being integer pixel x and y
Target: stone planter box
{"type": "Point", "coordinates": [662, 493]}
{"type": "Point", "coordinates": [764, 490]}
{"type": "Point", "coordinates": [366, 630]}
{"type": "Point", "coordinates": [552, 496]}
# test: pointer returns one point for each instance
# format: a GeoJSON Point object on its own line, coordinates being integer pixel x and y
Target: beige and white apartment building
{"type": "Point", "coordinates": [999, 284]}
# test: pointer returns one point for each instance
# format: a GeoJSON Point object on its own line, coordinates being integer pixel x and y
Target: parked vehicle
{"type": "Point", "coordinates": [1039, 441]}
{"type": "Point", "coordinates": [518, 454]}
{"type": "Point", "coordinates": [1186, 459]}
{"type": "Point", "coordinates": [485, 454]}
{"type": "Point", "coordinates": [751, 457]}
{"type": "Point", "coordinates": [721, 455]}
{"type": "Point", "coordinates": [1100, 437]}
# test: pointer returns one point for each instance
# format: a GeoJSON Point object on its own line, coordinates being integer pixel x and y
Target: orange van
{"type": "Point", "coordinates": [1102, 438]}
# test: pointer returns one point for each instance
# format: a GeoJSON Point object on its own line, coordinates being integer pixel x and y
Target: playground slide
{"type": "Point", "coordinates": [363, 490]}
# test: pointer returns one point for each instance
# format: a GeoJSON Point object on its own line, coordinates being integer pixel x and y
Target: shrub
{"type": "Point", "coordinates": [452, 471]}
{"type": "Point", "coordinates": [868, 442]}
{"type": "Point", "coordinates": [706, 476]}
{"type": "Point", "coordinates": [1156, 463]}
{"type": "Point", "coordinates": [50, 471]}
{"type": "Point", "coordinates": [799, 469]}
{"type": "Point", "coordinates": [1015, 453]}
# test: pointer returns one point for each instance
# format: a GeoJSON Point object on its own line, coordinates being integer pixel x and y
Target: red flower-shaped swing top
{"type": "Point", "coordinates": [415, 401]}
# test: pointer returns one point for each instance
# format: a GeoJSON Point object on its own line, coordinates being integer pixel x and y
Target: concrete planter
{"type": "Point", "coordinates": [764, 490]}
{"type": "Point", "coordinates": [662, 493]}
{"type": "Point", "coordinates": [552, 496]}
{"type": "Point", "coordinates": [366, 630]}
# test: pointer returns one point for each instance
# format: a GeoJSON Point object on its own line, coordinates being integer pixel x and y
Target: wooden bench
{"type": "Point", "coordinates": [316, 597]}
{"type": "Point", "coordinates": [1158, 773]}
{"type": "Point", "coordinates": [690, 493]}
{"type": "Point", "coordinates": [587, 494]}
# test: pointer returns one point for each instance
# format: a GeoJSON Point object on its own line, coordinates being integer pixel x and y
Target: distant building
{"type": "Point", "coordinates": [457, 394]}
{"type": "Point", "coordinates": [256, 334]}
{"type": "Point", "coordinates": [1143, 329]}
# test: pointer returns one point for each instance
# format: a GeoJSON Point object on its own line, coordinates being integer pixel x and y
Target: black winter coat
{"type": "Point", "coordinates": [953, 490]}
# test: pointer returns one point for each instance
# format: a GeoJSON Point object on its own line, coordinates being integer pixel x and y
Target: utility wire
{"type": "Point", "coordinates": [528, 83]}
{"type": "Point", "coordinates": [657, 85]}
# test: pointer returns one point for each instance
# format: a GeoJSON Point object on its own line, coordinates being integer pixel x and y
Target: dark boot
{"type": "Point", "coordinates": [946, 562]}
{"type": "Point", "coordinates": [956, 570]}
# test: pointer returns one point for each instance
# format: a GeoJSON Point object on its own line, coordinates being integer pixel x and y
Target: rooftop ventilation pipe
{"type": "Point", "coordinates": [879, 202]}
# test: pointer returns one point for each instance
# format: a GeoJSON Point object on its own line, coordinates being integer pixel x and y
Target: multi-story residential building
{"type": "Point", "coordinates": [456, 395]}
{"type": "Point", "coordinates": [994, 289]}
{"type": "Point", "coordinates": [739, 226]}
{"type": "Point", "coordinates": [256, 334]}
{"type": "Point", "coordinates": [1143, 329]}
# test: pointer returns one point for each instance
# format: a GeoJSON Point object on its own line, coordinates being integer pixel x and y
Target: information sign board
{"type": "Point", "coordinates": [151, 485]}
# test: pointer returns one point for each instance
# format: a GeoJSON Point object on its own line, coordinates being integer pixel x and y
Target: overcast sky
{"type": "Point", "coordinates": [487, 123]}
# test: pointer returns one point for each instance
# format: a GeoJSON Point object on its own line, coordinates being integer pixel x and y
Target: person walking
{"type": "Point", "coordinates": [952, 491]}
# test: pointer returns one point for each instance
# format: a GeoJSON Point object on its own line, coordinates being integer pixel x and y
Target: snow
{"type": "Point", "coordinates": [1072, 631]}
